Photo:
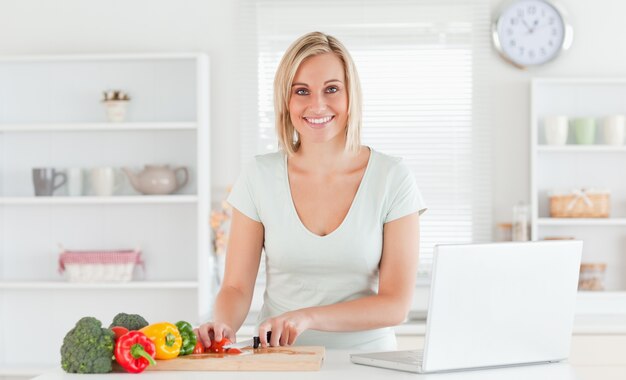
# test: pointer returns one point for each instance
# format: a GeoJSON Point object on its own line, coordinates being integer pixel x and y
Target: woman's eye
{"type": "Point", "coordinates": [302, 91]}
{"type": "Point", "coordinates": [332, 89]}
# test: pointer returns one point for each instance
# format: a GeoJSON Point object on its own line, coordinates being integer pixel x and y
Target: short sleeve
{"type": "Point", "coordinates": [404, 194]}
{"type": "Point", "coordinates": [242, 196]}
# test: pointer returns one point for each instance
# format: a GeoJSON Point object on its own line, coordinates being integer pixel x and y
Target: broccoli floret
{"type": "Point", "coordinates": [88, 348]}
{"type": "Point", "coordinates": [130, 321]}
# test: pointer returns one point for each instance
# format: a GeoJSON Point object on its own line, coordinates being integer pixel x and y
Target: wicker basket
{"type": "Point", "coordinates": [99, 266]}
{"type": "Point", "coordinates": [580, 204]}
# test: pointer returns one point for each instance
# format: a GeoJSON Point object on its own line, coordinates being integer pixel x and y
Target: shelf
{"type": "Point", "coordinates": [582, 222]}
{"type": "Point", "coordinates": [581, 149]}
{"type": "Point", "coordinates": [604, 302]}
{"type": "Point", "coordinates": [607, 294]}
{"type": "Point", "coordinates": [93, 127]}
{"type": "Point", "coordinates": [59, 285]}
{"type": "Point", "coordinates": [92, 200]}
{"type": "Point", "coordinates": [29, 58]}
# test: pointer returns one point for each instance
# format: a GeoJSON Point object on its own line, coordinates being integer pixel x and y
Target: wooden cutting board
{"type": "Point", "coordinates": [293, 358]}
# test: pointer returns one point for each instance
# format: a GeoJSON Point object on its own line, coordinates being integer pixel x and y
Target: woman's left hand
{"type": "Point", "coordinates": [285, 328]}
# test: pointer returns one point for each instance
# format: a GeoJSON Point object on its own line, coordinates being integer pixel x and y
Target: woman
{"type": "Point", "coordinates": [339, 222]}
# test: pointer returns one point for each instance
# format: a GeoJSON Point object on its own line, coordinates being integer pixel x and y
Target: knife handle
{"type": "Point", "coordinates": [257, 340]}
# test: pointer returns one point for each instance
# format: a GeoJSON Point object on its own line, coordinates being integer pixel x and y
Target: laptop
{"type": "Point", "coordinates": [494, 305]}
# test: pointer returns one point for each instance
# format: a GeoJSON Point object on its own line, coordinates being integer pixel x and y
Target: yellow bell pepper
{"type": "Point", "coordinates": [166, 338]}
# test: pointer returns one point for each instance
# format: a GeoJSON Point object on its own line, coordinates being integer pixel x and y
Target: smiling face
{"type": "Point", "coordinates": [318, 106]}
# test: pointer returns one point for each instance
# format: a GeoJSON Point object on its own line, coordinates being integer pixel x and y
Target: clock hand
{"type": "Point", "coordinates": [532, 28]}
{"type": "Point", "coordinates": [535, 23]}
{"type": "Point", "coordinates": [543, 25]}
{"type": "Point", "coordinates": [526, 25]}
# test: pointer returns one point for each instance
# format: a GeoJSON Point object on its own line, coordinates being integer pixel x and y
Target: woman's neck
{"type": "Point", "coordinates": [324, 158]}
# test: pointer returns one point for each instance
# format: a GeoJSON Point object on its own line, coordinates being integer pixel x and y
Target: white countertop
{"type": "Point", "coordinates": [337, 366]}
{"type": "Point", "coordinates": [583, 325]}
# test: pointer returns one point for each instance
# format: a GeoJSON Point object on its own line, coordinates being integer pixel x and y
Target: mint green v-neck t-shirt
{"type": "Point", "coordinates": [304, 269]}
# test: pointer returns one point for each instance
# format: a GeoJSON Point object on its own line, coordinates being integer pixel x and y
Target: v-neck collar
{"type": "Point", "coordinates": [352, 205]}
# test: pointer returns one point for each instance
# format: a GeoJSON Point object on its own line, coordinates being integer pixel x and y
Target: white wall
{"type": "Point", "coordinates": [86, 26]}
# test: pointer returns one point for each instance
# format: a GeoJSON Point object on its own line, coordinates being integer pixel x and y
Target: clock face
{"type": "Point", "coordinates": [530, 32]}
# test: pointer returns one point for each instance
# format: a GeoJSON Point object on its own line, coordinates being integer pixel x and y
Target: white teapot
{"type": "Point", "coordinates": [157, 179]}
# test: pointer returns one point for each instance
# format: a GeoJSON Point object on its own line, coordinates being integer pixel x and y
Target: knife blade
{"type": "Point", "coordinates": [255, 342]}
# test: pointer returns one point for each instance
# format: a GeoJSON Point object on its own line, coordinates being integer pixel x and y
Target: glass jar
{"type": "Point", "coordinates": [504, 231]}
{"type": "Point", "coordinates": [521, 222]}
{"type": "Point", "coordinates": [591, 276]}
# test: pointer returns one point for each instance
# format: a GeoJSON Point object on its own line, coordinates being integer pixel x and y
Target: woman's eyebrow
{"type": "Point", "coordinates": [304, 84]}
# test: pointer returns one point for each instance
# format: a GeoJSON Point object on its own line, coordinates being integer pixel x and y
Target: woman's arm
{"type": "Point", "coordinates": [398, 270]}
{"type": "Point", "coordinates": [242, 264]}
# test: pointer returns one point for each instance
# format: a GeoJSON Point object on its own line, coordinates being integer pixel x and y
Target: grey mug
{"type": "Point", "coordinates": [44, 180]}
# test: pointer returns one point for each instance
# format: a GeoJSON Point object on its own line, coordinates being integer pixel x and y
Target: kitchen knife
{"type": "Point", "coordinates": [254, 342]}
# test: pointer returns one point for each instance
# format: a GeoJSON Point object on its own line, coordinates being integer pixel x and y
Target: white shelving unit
{"type": "Point", "coordinates": [591, 222]}
{"type": "Point", "coordinates": [582, 166]}
{"type": "Point", "coordinates": [580, 149]}
{"type": "Point", "coordinates": [84, 200]}
{"type": "Point", "coordinates": [104, 127]}
{"type": "Point", "coordinates": [51, 116]}
{"type": "Point", "coordinates": [48, 285]}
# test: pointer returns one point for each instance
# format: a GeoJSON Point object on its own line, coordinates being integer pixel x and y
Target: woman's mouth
{"type": "Point", "coordinates": [318, 122]}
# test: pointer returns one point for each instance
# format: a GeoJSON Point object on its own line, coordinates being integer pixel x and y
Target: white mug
{"type": "Point", "coordinates": [614, 129]}
{"type": "Point", "coordinates": [74, 182]}
{"type": "Point", "coordinates": [104, 181]}
{"type": "Point", "coordinates": [555, 128]}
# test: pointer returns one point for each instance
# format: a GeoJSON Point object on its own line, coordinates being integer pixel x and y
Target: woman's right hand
{"type": "Point", "coordinates": [214, 331]}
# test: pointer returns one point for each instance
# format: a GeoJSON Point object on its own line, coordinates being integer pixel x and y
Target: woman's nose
{"type": "Point", "coordinates": [317, 102]}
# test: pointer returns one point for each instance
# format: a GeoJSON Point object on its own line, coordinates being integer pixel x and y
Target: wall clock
{"type": "Point", "coordinates": [531, 32]}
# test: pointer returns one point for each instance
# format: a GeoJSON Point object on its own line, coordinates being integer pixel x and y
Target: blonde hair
{"type": "Point", "coordinates": [309, 45]}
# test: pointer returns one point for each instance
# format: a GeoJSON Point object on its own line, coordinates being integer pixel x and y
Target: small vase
{"type": "Point", "coordinates": [116, 110]}
{"type": "Point", "coordinates": [555, 128]}
{"type": "Point", "coordinates": [584, 130]}
{"type": "Point", "coordinates": [614, 129]}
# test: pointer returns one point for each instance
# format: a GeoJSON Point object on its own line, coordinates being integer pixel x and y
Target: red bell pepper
{"type": "Point", "coordinates": [199, 348]}
{"type": "Point", "coordinates": [216, 347]}
{"type": "Point", "coordinates": [232, 351]}
{"type": "Point", "coordinates": [119, 331]}
{"type": "Point", "coordinates": [134, 351]}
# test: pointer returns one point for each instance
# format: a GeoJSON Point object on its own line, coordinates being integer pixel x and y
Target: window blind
{"type": "Point", "coordinates": [423, 90]}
